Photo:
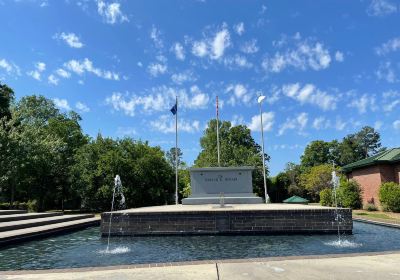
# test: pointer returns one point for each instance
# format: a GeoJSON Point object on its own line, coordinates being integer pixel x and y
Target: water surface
{"type": "Point", "coordinates": [86, 248]}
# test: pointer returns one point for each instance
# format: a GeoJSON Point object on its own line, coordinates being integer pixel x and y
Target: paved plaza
{"type": "Point", "coordinates": [363, 267]}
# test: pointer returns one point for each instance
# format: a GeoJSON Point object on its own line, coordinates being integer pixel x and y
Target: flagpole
{"type": "Point", "coordinates": [263, 156]}
{"type": "Point", "coordinates": [219, 163]}
{"type": "Point", "coordinates": [176, 152]}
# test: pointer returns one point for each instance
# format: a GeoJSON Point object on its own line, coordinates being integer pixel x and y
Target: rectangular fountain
{"type": "Point", "coordinates": [241, 212]}
{"type": "Point", "coordinates": [234, 219]}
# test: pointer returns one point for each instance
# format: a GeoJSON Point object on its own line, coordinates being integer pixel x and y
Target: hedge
{"type": "Point", "coordinates": [389, 196]}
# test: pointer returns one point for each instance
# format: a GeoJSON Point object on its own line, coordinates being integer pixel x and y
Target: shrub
{"type": "Point", "coordinates": [325, 197]}
{"type": "Point", "coordinates": [370, 207]}
{"type": "Point", "coordinates": [32, 206]}
{"type": "Point", "coordinates": [349, 194]}
{"type": "Point", "coordinates": [389, 195]}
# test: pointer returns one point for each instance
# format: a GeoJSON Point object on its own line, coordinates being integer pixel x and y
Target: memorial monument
{"type": "Point", "coordinates": [233, 184]}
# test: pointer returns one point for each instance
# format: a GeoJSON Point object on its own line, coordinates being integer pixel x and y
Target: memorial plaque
{"type": "Point", "coordinates": [234, 183]}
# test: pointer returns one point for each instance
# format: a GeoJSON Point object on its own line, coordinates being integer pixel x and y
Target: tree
{"type": "Point", "coordinates": [6, 98]}
{"type": "Point", "coordinates": [146, 176]}
{"type": "Point", "coordinates": [316, 179]}
{"type": "Point", "coordinates": [171, 155]}
{"type": "Point", "coordinates": [369, 141]}
{"type": "Point", "coordinates": [238, 148]}
{"type": "Point", "coordinates": [316, 153]}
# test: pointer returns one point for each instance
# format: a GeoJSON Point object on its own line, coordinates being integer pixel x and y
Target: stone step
{"type": "Point", "coordinates": [19, 217]}
{"type": "Point", "coordinates": [21, 235]}
{"type": "Point", "coordinates": [12, 212]}
{"type": "Point", "coordinates": [6, 226]}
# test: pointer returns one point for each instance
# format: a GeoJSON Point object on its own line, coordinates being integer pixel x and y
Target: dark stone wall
{"type": "Point", "coordinates": [228, 222]}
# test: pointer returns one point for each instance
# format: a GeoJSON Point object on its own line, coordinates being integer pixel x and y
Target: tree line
{"type": "Point", "coordinates": [313, 174]}
{"type": "Point", "coordinates": [47, 162]}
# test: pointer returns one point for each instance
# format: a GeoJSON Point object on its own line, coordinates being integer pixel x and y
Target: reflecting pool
{"type": "Point", "coordinates": [86, 248]}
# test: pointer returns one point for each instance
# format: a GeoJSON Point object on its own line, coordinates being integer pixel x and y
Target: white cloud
{"type": "Point", "coordinates": [238, 120]}
{"type": "Point", "coordinates": [80, 67]}
{"type": "Point", "coordinates": [237, 61]}
{"type": "Point", "coordinates": [298, 124]}
{"type": "Point", "coordinates": [214, 46]}
{"type": "Point", "coordinates": [158, 99]}
{"type": "Point", "coordinates": [396, 125]}
{"type": "Point", "coordinates": [200, 49]}
{"type": "Point", "coordinates": [363, 103]}
{"type": "Point", "coordinates": [320, 123]}
{"type": "Point", "coordinates": [386, 72]}
{"type": "Point", "coordinates": [166, 124]}
{"type": "Point", "coordinates": [250, 46]}
{"type": "Point", "coordinates": [6, 65]}
{"type": "Point", "coordinates": [63, 74]}
{"type": "Point", "coordinates": [39, 68]}
{"type": "Point", "coordinates": [310, 94]}
{"type": "Point", "coordinates": [220, 43]}
{"type": "Point", "coordinates": [390, 106]}
{"type": "Point", "coordinates": [155, 35]}
{"type": "Point", "coordinates": [268, 122]}
{"type": "Point", "coordinates": [179, 51]}
{"type": "Point", "coordinates": [240, 93]}
{"type": "Point", "coordinates": [199, 99]}
{"type": "Point", "coordinates": [180, 78]}
{"type": "Point", "coordinates": [10, 68]}
{"type": "Point", "coordinates": [305, 55]}
{"type": "Point", "coordinates": [239, 28]}
{"type": "Point", "coordinates": [51, 79]}
{"type": "Point", "coordinates": [126, 131]}
{"type": "Point", "coordinates": [155, 69]}
{"type": "Point", "coordinates": [390, 46]}
{"type": "Point", "coordinates": [378, 125]}
{"type": "Point", "coordinates": [339, 56]}
{"type": "Point", "coordinates": [81, 107]}
{"type": "Point", "coordinates": [340, 125]}
{"type": "Point", "coordinates": [381, 8]}
{"type": "Point", "coordinates": [111, 12]}
{"type": "Point", "coordinates": [62, 104]}
{"type": "Point", "coordinates": [71, 39]}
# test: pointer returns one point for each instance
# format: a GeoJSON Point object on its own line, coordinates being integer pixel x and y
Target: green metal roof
{"type": "Point", "coordinates": [388, 156]}
{"type": "Point", "coordinates": [295, 199]}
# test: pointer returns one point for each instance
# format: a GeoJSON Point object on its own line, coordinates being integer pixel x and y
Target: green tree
{"type": "Point", "coordinates": [316, 153]}
{"type": "Point", "coordinates": [171, 155]}
{"type": "Point", "coordinates": [389, 196]}
{"type": "Point", "coordinates": [6, 98]}
{"type": "Point", "coordinates": [146, 176]}
{"type": "Point", "coordinates": [237, 148]}
{"type": "Point", "coordinates": [316, 179]}
{"type": "Point", "coordinates": [349, 194]}
{"type": "Point", "coordinates": [369, 141]}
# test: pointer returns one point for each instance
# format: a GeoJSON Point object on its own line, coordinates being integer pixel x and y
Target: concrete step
{"type": "Point", "coordinates": [19, 217]}
{"type": "Point", "coordinates": [6, 226]}
{"type": "Point", "coordinates": [11, 212]}
{"type": "Point", "coordinates": [20, 235]}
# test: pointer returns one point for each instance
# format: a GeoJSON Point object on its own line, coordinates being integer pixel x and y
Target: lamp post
{"type": "Point", "coordinates": [260, 100]}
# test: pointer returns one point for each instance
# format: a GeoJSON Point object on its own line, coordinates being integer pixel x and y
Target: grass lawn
{"type": "Point", "coordinates": [377, 216]}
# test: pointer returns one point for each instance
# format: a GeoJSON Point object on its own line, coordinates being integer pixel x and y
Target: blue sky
{"type": "Point", "coordinates": [327, 67]}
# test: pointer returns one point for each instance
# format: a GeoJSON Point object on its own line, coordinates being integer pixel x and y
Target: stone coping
{"type": "Point", "coordinates": [221, 168]}
{"type": "Point", "coordinates": [229, 208]}
{"type": "Point", "coordinates": [379, 223]}
{"type": "Point", "coordinates": [202, 262]}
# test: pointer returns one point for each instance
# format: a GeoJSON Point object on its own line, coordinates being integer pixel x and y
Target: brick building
{"type": "Point", "coordinates": [371, 172]}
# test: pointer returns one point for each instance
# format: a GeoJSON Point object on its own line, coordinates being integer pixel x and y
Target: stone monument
{"type": "Point", "coordinates": [233, 184]}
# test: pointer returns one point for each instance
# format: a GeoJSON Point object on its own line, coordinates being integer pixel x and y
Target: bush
{"type": "Point", "coordinates": [349, 194]}
{"type": "Point", "coordinates": [389, 196]}
{"type": "Point", "coordinates": [325, 197]}
{"type": "Point", "coordinates": [370, 207]}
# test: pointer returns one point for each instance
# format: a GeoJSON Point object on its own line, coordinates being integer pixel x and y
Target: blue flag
{"type": "Point", "coordinates": [174, 109]}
